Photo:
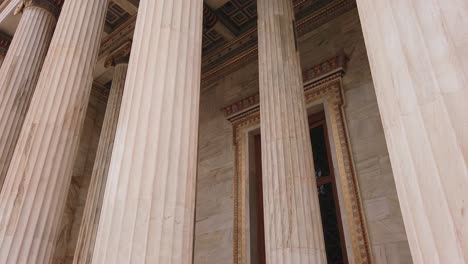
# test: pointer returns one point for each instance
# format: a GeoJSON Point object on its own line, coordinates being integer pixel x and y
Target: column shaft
{"type": "Point", "coordinates": [89, 223]}
{"type": "Point", "coordinates": [293, 228]}
{"type": "Point", "coordinates": [19, 75]}
{"type": "Point", "coordinates": [36, 185]}
{"type": "Point", "coordinates": [148, 209]}
{"type": "Point", "coordinates": [419, 61]}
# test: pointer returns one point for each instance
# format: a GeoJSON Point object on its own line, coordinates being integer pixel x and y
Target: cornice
{"type": "Point", "coordinates": [241, 50]}
{"type": "Point", "coordinates": [119, 36]}
{"type": "Point", "coordinates": [331, 67]}
{"type": "Point", "coordinates": [244, 49]}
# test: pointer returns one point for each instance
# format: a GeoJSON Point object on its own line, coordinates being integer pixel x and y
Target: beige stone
{"type": "Point", "coordinates": [373, 166]}
{"type": "Point", "coordinates": [90, 221]}
{"type": "Point", "coordinates": [149, 203]}
{"type": "Point", "coordinates": [19, 75]}
{"type": "Point", "coordinates": [36, 185]}
{"type": "Point", "coordinates": [82, 170]}
{"type": "Point", "coordinates": [417, 53]}
{"type": "Point", "coordinates": [293, 227]}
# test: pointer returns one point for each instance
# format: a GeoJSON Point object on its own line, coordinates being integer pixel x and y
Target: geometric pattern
{"type": "Point", "coordinates": [116, 16]}
{"type": "Point", "coordinates": [240, 13]}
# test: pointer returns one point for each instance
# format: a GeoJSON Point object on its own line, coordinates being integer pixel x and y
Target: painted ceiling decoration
{"type": "Point", "coordinates": [229, 31]}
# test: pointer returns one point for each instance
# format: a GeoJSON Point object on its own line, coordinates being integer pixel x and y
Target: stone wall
{"type": "Point", "coordinates": [82, 171]}
{"type": "Point", "coordinates": [214, 210]}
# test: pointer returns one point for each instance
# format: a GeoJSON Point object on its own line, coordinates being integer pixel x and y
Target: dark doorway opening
{"type": "Point", "coordinates": [327, 191]}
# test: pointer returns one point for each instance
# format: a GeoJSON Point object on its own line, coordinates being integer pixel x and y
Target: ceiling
{"type": "Point", "coordinates": [229, 30]}
{"type": "Point", "coordinates": [223, 20]}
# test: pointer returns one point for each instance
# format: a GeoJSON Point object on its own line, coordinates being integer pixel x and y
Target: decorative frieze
{"type": "Point", "coordinates": [239, 51]}
{"type": "Point", "coordinates": [320, 71]}
{"type": "Point", "coordinates": [327, 89]}
{"type": "Point", "coordinates": [244, 49]}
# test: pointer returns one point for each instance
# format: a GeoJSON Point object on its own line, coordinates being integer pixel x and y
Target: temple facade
{"type": "Point", "coordinates": [233, 131]}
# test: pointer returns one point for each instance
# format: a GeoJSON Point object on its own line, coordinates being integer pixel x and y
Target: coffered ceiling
{"type": "Point", "coordinates": [229, 29]}
{"type": "Point", "coordinates": [224, 20]}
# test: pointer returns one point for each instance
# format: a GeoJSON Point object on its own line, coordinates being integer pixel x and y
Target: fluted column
{"type": "Point", "coordinates": [89, 223]}
{"type": "Point", "coordinates": [419, 60]}
{"type": "Point", "coordinates": [148, 209]}
{"type": "Point", "coordinates": [293, 228]}
{"type": "Point", "coordinates": [35, 190]}
{"type": "Point", "coordinates": [20, 72]}
{"type": "Point", "coordinates": [5, 42]}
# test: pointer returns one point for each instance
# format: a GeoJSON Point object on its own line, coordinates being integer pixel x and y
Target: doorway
{"type": "Point", "coordinates": [326, 188]}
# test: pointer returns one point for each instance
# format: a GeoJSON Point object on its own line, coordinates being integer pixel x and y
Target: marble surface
{"type": "Point", "coordinates": [419, 62]}
{"type": "Point", "coordinates": [214, 218]}
{"type": "Point", "coordinates": [73, 214]}
{"type": "Point", "coordinates": [214, 205]}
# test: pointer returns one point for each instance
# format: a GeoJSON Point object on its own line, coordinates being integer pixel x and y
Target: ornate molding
{"type": "Point", "coordinates": [241, 50]}
{"type": "Point", "coordinates": [119, 36]}
{"type": "Point", "coordinates": [5, 42]}
{"type": "Point", "coordinates": [320, 71]}
{"type": "Point", "coordinates": [121, 55]}
{"type": "Point", "coordinates": [52, 6]}
{"type": "Point", "coordinates": [244, 49]}
{"type": "Point", "coordinates": [323, 82]}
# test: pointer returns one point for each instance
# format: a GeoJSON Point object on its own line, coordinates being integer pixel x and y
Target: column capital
{"type": "Point", "coordinates": [53, 6]}
{"type": "Point", "coordinates": [5, 42]}
{"type": "Point", "coordinates": [121, 55]}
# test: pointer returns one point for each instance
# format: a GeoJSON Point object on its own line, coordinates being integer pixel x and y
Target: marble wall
{"type": "Point", "coordinates": [214, 211]}
{"type": "Point", "coordinates": [82, 171]}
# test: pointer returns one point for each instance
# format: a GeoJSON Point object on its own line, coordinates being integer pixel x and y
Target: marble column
{"type": "Point", "coordinates": [89, 223]}
{"type": "Point", "coordinates": [148, 209]}
{"type": "Point", "coordinates": [293, 227]}
{"type": "Point", "coordinates": [419, 61]}
{"type": "Point", "coordinates": [5, 42]}
{"type": "Point", "coordinates": [20, 71]}
{"type": "Point", "coordinates": [36, 185]}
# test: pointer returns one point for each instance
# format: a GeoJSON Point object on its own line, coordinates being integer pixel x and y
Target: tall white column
{"type": "Point", "coordinates": [419, 60]}
{"type": "Point", "coordinates": [36, 185]}
{"type": "Point", "coordinates": [293, 227]}
{"type": "Point", "coordinates": [89, 223]}
{"type": "Point", "coordinates": [20, 72]}
{"type": "Point", "coordinates": [148, 209]}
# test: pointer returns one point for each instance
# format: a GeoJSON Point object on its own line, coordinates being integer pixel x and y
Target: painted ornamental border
{"type": "Point", "coordinates": [321, 83]}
